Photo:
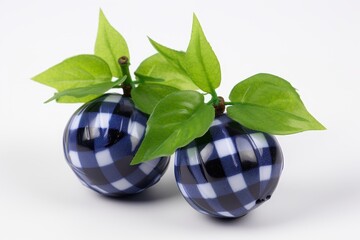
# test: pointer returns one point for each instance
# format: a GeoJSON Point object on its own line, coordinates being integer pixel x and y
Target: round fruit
{"type": "Point", "coordinates": [100, 141]}
{"type": "Point", "coordinates": [228, 171]}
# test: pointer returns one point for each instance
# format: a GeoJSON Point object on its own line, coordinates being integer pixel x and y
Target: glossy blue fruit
{"type": "Point", "coordinates": [228, 171]}
{"type": "Point", "coordinates": [100, 141]}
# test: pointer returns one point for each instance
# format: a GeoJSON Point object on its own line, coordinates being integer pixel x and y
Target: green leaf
{"type": "Point", "coordinates": [174, 57]}
{"type": "Point", "coordinates": [157, 68]}
{"type": "Point", "coordinates": [75, 72]}
{"type": "Point", "coordinates": [110, 45]}
{"type": "Point", "coordinates": [270, 104]}
{"type": "Point", "coordinates": [147, 96]}
{"type": "Point", "coordinates": [200, 61]}
{"type": "Point", "coordinates": [148, 79]}
{"type": "Point", "coordinates": [176, 120]}
{"type": "Point", "coordinates": [84, 94]}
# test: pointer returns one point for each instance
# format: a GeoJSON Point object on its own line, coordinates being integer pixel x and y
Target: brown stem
{"type": "Point", "coordinates": [220, 108]}
{"type": "Point", "coordinates": [127, 90]}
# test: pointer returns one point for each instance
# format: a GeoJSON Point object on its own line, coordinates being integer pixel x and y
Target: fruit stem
{"type": "Point", "coordinates": [220, 106]}
{"type": "Point", "coordinates": [128, 84]}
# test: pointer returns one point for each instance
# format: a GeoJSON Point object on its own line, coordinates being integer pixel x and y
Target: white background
{"type": "Point", "coordinates": [314, 44]}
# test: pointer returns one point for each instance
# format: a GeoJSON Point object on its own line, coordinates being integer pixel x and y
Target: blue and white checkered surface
{"type": "Point", "coordinates": [100, 141]}
{"type": "Point", "coordinates": [228, 171]}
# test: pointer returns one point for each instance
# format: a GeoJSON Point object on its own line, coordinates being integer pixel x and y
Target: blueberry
{"type": "Point", "coordinates": [228, 171]}
{"type": "Point", "coordinates": [100, 141]}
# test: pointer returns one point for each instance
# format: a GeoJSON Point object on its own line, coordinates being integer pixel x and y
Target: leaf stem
{"type": "Point", "coordinates": [230, 103]}
{"type": "Point", "coordinates": [214, 99]}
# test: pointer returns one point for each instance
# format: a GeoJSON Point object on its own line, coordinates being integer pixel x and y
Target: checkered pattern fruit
{"type": "Point", "coordinates": [228, 171]}
{"type": "Point", "coordinates": [100, 141]}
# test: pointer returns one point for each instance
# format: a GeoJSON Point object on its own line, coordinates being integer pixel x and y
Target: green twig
{"type": "Point", "coordinates": [128, 84]}
{"type": "Point", "coordinates": [231, 103]}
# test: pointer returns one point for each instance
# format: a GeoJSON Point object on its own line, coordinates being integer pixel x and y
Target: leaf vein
{"type": "Point", "coordinates": [275, 110]}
